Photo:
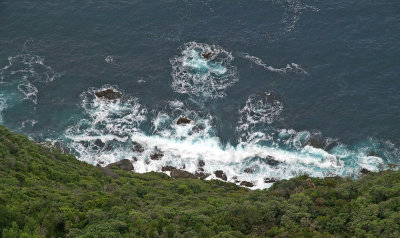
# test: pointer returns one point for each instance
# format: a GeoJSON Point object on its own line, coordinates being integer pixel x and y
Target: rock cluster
{"type": "Point", "coordinates": [108, 94]}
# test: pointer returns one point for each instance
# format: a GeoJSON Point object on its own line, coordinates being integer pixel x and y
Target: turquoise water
{"type": "Point", "coordinates": [290, 87]}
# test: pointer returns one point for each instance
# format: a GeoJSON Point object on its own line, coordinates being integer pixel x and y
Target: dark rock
{"type": "Point", "coordinates": [108, 147]}
{"type": "Point", "coordinates": [108, 94]}
{"type": "Point", "coordinates": [124, 164]}
{"type": "Point", "coordinates": [220, 174]}
{"type": "Point", "coordinates": [316, 143]}
{"type": "Point", "coordinates": [271, 161]}
{"type": "Point", "coordinates": [201, 163]}
{"type": "Point", "coordinates": [137, 147]}
{"type": "Point", "coordinates": [99, 143]}
{"type": "Point", "coordinates": [183, 120]}
{"type": "Point", "coordinates": [246, 184]}
{"type": "Point", "coordinates": [157, 154]}
{"type": "Point", "coordinates": [201, 175]}
{"type": "Point", "coordinates": [248, 170]}
{"type": "Point", "coordinates": [134, 159]}
{"type": "Point", "coordinates": [331, 145]}
{"type": "Point", "coordinates": [270, 180]}
{"type": "Point", "coordinates": [373, 153]}
{"type": "Point", "coordinates": [197, 128]}
{"type": "Point", "coordinates": [206, 55]}
{"type": "Point", "coordinates": [177, 173]}
{"type": "Point", "coordinates": [167, 168]}
{"type": "Point", "coordinates": [364, 171]}
{"type": "Point", "coordinates": [271, 96]}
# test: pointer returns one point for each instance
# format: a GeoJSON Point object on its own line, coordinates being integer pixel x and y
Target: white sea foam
{"type": "Point", "coordinates": [292, 67]}
{"type": "Point", "coordinates": [195, 75]}
{"type": "Point", "coordinates": [26, 70]}
{"type": "Point", "coordinates": [259, 109]}
{"type": "Point", "coordinates": [110, 130]}
{"type": "Point", "coordinates": [29, 90]}
{"type": "Point", "coordinates": [102, 135]}
{"type": "Point", "coordinates": [29, 122]}
{"type": "Point", "coordinates": [109, 59]}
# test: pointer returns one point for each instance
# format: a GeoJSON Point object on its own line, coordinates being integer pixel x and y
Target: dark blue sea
{"type": "Point", "coordinates": [270, 89]}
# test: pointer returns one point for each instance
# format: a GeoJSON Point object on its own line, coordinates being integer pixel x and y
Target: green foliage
{"type": "Point", "coordinates": [45, 193]}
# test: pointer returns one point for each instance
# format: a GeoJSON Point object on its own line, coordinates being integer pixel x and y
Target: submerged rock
{"type": "Point", "coordinates": [109, 94]}
{"type": "Point", "coordinates": [201, 163]}
{"type": "Point", "coordinates": [177, 173]}
{"type": "Point", "coordinates": [157, 154]}
{"type": "Point", "coordinates": [364, 171]}
{"type": "Point", "coordinates": [206, 55]}
{"type": "Point", "coordinates": [220, 174]}
{"type": "Point", "coordinates": [197, 128]}
{"type": "Point", "coordinates": [373, 153]}
{"type": "Point", "coordinates": [270, 180]}
{"type": "Point", "coordinates": [99, 143]}
{"type": "Point", "coordinates": [137, 147]}
{"type": "Point", "coordinates": [183, 120]}
{"type": "Point", "coordinates": [247, 184]}
{"type": "Point", "coordinates": [316, 143]}
{"type": "Point", "coordinates": [248, 170]}
{"type": "Point", "coordinates": [271, 161]}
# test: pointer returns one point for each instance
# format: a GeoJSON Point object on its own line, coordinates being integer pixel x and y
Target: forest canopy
{"type": "Point", "coordinates": [47, 193]}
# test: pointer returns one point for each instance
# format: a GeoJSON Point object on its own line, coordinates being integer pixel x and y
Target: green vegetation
{"type": "Point", "coordinates": [45, 193]}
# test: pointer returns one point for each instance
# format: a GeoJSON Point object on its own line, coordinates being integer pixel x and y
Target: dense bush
{"type": "Point", "coordinates": [45, 193]}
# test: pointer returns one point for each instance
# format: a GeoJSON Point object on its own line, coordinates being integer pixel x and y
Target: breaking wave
{"type": "Point", "coordinates": [102, 134]}
{"type": "Point", "coordinates": [180, 135]}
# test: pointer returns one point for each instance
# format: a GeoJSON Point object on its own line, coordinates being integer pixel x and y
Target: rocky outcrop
{"type": "Point", "coordinates": [206, 55]}
{"type": "Point", "coordinates": [136, 147]}
{"type": "Point", "coordinates": [157, 154]}
{"type": "Point", "coordinates": [248, 170]}
{"type": "Point", "coordinates": [271, 161]}
{"type": "Point", "coordinates": [177, 173]}
{"type": "Point", "coordinates": [220, 174]}
{"type": "Point", "coordinates": [316, 143]}
{"type": "Point", "coordinates": [108, 94]}
{"type": "Point", "coordinates": [201, 163]}
{"type": "Point", "coordinates": [124, 164]}
{"type": "Point", "coordinates": [99, 143]}
{"type": "Point", "coordinates": [183, 120]}
{"type": "Point", "coordinates": [246, 184]}
{"type": "Point", "coordinates": [373, 153]}
{"type": "Point", "coordinates": [270, 180]}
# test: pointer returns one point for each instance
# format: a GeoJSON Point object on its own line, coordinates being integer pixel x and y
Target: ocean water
{"type": "Point", "coordinates": [291, 87]}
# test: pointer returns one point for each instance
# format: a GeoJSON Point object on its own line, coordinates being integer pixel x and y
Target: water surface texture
{"type": "Point", "coordinates": [272, 89]}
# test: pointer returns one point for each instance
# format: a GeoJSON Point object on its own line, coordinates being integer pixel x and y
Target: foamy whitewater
{"type": "Point", "coordinates": [111, 130]}
{"type": "Point", "coordinates": [20, 77]}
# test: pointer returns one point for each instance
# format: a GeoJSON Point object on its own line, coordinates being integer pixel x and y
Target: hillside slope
{"type": "Point", "coordinates": [45, 193]}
